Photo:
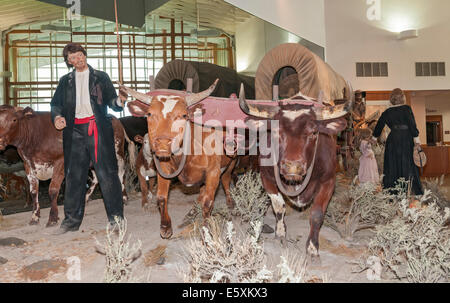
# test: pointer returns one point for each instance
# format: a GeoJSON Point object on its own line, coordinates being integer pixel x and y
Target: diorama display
{"type": "Point", "coordinates": [276, 175]}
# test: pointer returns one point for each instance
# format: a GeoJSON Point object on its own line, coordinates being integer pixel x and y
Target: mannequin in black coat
{"type": "Point", "coordinates": [398, 154]}
{"type": "Point", "coordinates": [88, 137]}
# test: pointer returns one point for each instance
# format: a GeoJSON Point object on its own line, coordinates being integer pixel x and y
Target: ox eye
{"type": "Point", "coordinates": [185, 116]}
{"type": "Point", "coordinates": [314, 134]}
{"type": "Point", "coordinates": [149, 115]}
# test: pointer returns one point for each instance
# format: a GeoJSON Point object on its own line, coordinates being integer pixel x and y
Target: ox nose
{"type": "Point", "coordinates": [163, 147]}
{"type": "Point", "coordinates": [293, 168]}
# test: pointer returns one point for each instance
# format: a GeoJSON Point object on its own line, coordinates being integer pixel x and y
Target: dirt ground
{"type": "Point", "coordinates": [46, 257]}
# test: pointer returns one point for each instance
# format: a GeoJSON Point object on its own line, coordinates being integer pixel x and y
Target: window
{"type": "Point", "coordinates": [430, 69]}
{"type": "Point", "coordinates": [35, 57]}
{"type": "Point", "coordinates": [371, 69]}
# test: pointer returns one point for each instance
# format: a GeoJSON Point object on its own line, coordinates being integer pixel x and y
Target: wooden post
{"type": "Point", "coordinates": [189, 85]}
{"type": "Point", "coordinates": [275, 93]}
{"type": "Point", "coordinates": [152, 82]}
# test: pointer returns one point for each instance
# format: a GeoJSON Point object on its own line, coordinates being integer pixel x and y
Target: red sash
{"type": "Point", "coordinates": [92, 129]}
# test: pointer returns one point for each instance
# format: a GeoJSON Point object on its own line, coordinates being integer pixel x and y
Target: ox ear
{"type": "Point", "coordinates": [28, 112]}
{"type": "Point", "coordinates": [332, 126]}
{"type": "Point", "coordinates": [137, 109]}
{"type": "Point", "coordinates": [139, 138]}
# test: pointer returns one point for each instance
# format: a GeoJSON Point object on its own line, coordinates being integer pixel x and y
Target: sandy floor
{"type": "Point", "coordinates": [42, 245]}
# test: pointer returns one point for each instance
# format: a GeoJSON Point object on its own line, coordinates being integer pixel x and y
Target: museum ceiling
{"type": "Point", "coordinates": [206, 13]}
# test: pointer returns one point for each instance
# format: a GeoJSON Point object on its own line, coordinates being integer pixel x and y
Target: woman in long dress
{"type": "Point", "coordinates": [398, 154]}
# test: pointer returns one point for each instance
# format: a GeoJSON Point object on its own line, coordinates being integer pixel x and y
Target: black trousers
{"type": "Point", "coordinates": [82, 155]}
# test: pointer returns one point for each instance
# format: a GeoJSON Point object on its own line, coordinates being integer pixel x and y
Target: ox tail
{"type": "Point", "coordinates": [131, 151]}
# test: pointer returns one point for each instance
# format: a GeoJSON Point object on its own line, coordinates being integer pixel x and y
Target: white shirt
{"type": "Point", "coordinates": [83, 107]}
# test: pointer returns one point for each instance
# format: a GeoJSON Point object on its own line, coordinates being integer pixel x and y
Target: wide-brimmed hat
{"type": "Point", "coordinates": [420, 159]}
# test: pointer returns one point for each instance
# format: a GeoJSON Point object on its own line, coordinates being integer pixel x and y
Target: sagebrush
{"type": "Point", "coordinates": [416, 245]}
{"type": "Point", "coordinates": [250, 198]}
{"type": "Point", "coordinates": [119, 253]}
{"type": "Point", "coordinates": [362, 206]}
{"type": "Point", "coordinates": [222, 254]}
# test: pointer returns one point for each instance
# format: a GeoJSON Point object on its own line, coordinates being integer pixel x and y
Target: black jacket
{"type": "Point", "coordinates": [102, 95]}
{"type": "Point", "coordinates": [398, 153]}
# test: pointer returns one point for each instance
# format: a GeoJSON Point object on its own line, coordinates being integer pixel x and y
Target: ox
{"type": "Point", "coordinates": [40, 146]}
{"type": "Point", "coordinates": [303, 168]}
{"type": "Point", "coordinates": [169, 128]}
{"type": "Point", "coordinates": [134, 126]}
{"type": "Point", "coordinates": [145, 169]}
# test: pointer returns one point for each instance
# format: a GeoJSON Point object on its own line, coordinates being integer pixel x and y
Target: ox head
{"type": "Point", "coordinates": [10, 118]}
{"type": "Point", "coordinates": [145, 144]}
{"type": "Point", "coordinates": [167, 117]}
{"type": "Point", "coordinates": [300, 125]}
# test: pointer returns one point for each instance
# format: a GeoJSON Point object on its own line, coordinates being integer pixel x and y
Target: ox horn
{"type": "Point", "coordinates": [195, 98]}
{"type": "Point", "coordinates": [333, 112]}
{"type": "Point", "coordinates": [139, 96]}
{"type": "Point", "coordinates": [257, 110]}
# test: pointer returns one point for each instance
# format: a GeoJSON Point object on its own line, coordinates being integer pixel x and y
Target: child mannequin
{"type": "Point", "coordinates": [368, 168]}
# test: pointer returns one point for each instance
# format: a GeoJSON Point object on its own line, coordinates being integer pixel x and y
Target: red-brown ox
{"type": "Point", "coordinates": [169, 125]}
{"type": "Point", "coordinates": [40, 146]}
{"type": "Point", "coordinates": [304, 169]}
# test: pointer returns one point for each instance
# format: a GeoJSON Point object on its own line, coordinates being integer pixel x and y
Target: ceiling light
{"type": "Point", "coordinates": [206, 33]}
{"type": "Point", "coordinates": [51, 28]}
{"type": "Point", "coordinates": [408, 34]}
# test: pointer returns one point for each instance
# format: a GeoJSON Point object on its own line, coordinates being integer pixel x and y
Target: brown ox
{"type": "Point", "coordinates": [304, 170]}
{"type": "Point", "coordinates": [169, 128]}
{"type": "Point", "coordinates": [40, 146]}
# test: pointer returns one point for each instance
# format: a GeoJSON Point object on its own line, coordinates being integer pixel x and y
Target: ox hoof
{"type": "Point", "coordinates": [51, 223]}
{"type": "Point", "coordinates": [146, 207]}
{"type": "Point", "coordinates": [283, 241]}
{"type": "Point", "coordinates": [314, 260]}
{"type": "Point", "coordinates": [166, 232]}
{"type": "Point", "coordinates": [34, 222]}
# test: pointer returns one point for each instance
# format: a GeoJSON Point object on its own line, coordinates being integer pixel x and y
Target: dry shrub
{"type": "Point", "coordinates": [195, 215]}
{"type": "Point", "coordinates": [119, 253]}
{"type": "Point", "coordinates": [155, 256]}
{"type": "Point", "coordinates": [438, 193]}
{"type": "Point", "coordinates": [250, 198]}
{"type": "Point", "coordinates": [220, 255]}
{"type": "Point", "coordinates": [362, 206]}
{"type": "Point", "coordinates": [251, 202]}
{"type": "Point", "coordinates": [416, 245]}
{"type": "Point", "coordinates": [292, 268]}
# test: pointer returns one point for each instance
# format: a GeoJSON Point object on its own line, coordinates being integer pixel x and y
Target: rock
{"type": "Point", "coordinates": [40, 270]}
{"type": "Point", "coordinates": [3, 260]}
{"type": "Point", "coordinates": [266, 229]}
{"type": "Point", "coordinates": [12, 241]}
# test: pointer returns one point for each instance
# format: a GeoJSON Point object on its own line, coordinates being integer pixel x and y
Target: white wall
{"type": "Point", "coordinates": [352, 38]}
{"type": "Point", "coordinates": [254, 39]}
{"type": "Point", "coordinates": [305, 18]}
